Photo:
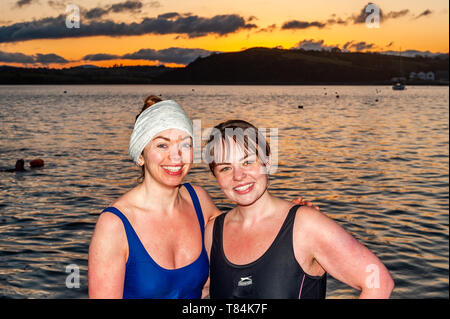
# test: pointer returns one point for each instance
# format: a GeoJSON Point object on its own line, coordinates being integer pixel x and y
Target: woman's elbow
{"type": "Point", "coordinates": [378, 288]}
{"type": "Point", "coordinates": [389, 285]}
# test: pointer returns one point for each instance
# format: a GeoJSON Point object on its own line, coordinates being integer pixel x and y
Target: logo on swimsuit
{"type": "Point", "coordinates": [245, 281]}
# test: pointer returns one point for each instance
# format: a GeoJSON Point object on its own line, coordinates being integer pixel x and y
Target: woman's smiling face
{"type": "Point", "coordinates": [241, 175]}
{"type": "Point", "coordinates": [168, 157]}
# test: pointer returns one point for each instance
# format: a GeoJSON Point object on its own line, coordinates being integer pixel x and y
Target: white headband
{"type": "Point", "coordinates": [159, 117]}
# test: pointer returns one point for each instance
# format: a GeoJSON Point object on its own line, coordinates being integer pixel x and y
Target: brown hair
{"type": "Point", "coordinates": [239, 129]}
{"type": "Point", "coordinates": [149, 101]}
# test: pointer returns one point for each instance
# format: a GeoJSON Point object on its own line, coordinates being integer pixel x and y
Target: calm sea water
{"type": "Point", "coordinates": [379, 168]}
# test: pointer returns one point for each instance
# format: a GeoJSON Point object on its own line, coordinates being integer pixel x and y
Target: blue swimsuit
{"type": "Point", "coordinates": [144, 278]}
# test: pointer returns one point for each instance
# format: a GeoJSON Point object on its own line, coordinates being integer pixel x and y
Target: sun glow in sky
{"type": "Point", "coordinates": [33, 33]}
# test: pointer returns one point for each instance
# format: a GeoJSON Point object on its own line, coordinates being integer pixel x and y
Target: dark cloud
{"type": "Point", "coordinates": [313, 45]}
{"type": "Point", "coordinates": [15, 57]}
{"type": "Point", "coordinates": [100, 57]}
{"type": "Point", "coordinates": [130, 5]}
{"type": "Point", "coordinates": [127, 6]}
{"type": "Point", "coordinates": [335, 20]}
{"type": "Point", "coordinates": [319, 45]}
{"type": "Point", "coordinates": [37, 29]}
{"type": "Point", "coordinates": [358, 46]}
{"type": "Point", "coordinates": [57, 4]}
{"type": "Point", "coordinates": [396, 14]}
{"type": "Point", "coordinates": [95, 13]}
{"type": "Point", "coordinates": [49, 58]}
{"type": "Point", "coordinates": [31, 59]}
{"type": "Point", "coordinates": [190, 25]}
{"type": "Point", "coordinates": [362, 15]}
{"type": "Point", "coordinates": [295, 24]}
{"type": "Point", "coordinates": [219, 24]}
{"type": "Point", "coordinates": [170, 55]}
{"type": "Point", "coordinates": [427, 12]}
{"type": "Point", "coordinates": [22, 3]}
{"type": "Point", "coordinates": [169, 15]}
{"type": "Point", "coordinates": [357, 18]}
{"type": "Point", "coordinates": [355, 46]}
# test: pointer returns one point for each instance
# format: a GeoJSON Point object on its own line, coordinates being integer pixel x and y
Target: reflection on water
{"type": "Point", "coordinates": [380, 169]}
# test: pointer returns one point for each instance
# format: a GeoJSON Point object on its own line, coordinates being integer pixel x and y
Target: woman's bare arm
{"type": "Point", "coordinates": [107, 258]}
{"type": "Point", "coordinates": [342, 256]}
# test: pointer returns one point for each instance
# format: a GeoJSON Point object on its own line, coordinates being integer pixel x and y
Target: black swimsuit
{"type": "Point", "coordinates": [275, 275]}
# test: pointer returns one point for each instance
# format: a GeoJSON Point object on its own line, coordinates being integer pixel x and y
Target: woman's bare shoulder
{"type": "Point", "coordinates": [109, 228]}
{"type": "Point", "coordinates": [311, 219]}
{"type": "Point", "coordinates": [110, 225]}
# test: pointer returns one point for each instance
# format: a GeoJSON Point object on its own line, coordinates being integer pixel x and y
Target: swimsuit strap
{"type": "Point", "coordinates": [197, 206]}
{"type": "Point", "coordinates": [132, 237]}
{"type": "Point", "coordinates": [119, 214]}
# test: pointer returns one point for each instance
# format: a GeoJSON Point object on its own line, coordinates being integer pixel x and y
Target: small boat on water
{"type": "Point", "coordinates": [399, 82]}
{"type": "Point", "coordinates": [398, 86]}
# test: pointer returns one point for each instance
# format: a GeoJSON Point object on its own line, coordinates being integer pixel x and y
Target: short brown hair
{"type": "Point", "coordinates": [240, 129]}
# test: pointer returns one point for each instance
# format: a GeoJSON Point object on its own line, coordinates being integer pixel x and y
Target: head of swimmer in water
{"type": "Point", "coordinates": [168, 155]}
{"type": "Point", "coordinates": [20, 165]}
{"type": "Point", "coordinates": [239, 157]}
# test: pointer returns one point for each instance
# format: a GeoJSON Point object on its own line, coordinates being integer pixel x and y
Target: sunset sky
{"type": "Point", "coordinates": [33, 33]}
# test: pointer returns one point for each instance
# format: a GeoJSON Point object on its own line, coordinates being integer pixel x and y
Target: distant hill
{"type": "Point", "coordinates": [252, 66]}
{"type": "Point", "coordinates": [279, 66]}
{"type": "Point", "coordinates": [86, 74]}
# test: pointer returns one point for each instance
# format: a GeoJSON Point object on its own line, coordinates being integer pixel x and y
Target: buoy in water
{"type": "Point", "coordinates": [38, 162]}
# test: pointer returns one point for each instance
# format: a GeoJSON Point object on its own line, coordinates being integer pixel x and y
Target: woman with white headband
{"type": "Point", "coordinates": [149, 242]}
